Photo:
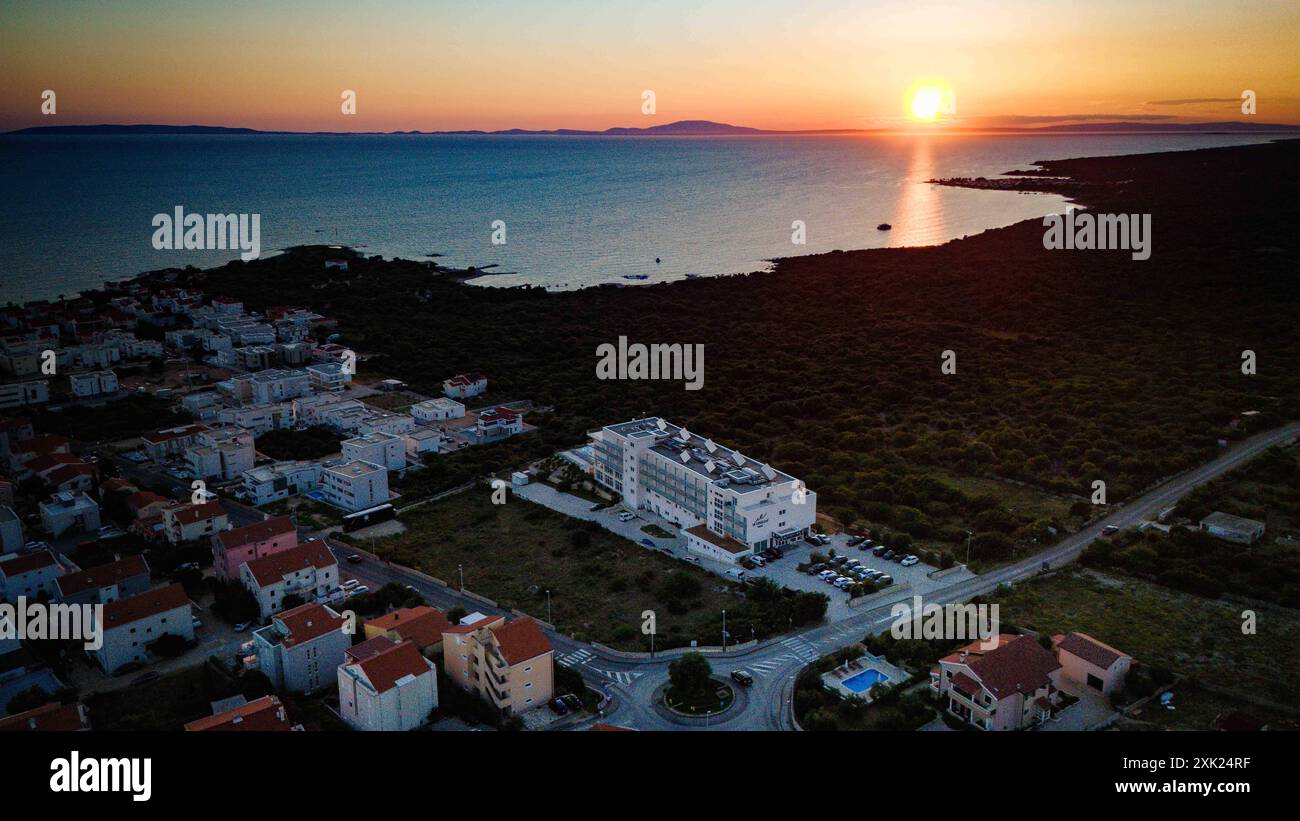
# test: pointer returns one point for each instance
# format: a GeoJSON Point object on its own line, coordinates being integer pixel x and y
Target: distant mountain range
{"type": "Point", "coordinates": [690, 128]}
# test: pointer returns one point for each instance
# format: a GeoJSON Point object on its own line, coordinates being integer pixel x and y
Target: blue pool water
{"type": "Point", "coordinates": [864, 681]}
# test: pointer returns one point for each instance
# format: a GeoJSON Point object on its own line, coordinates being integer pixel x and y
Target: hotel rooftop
{"type": "Point", "coordinates": [701, 455]}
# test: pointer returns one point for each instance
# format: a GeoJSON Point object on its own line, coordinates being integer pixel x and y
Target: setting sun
{"type": "Point", "coordinates": [926, 103]}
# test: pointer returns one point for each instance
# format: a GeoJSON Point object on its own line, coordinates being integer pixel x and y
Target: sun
{"type": "Point", "coordinates": [926, 103]}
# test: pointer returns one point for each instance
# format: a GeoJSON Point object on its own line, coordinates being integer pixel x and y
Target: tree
{"type": "Point", "coordinates": [689, 675]}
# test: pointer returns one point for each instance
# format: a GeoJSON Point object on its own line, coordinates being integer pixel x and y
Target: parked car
{"type": "Point", "coordinates": [839, 560]}
{"type": "Point", "coordinates": [742, 678]}
{"type": "Point", "coordinates": [358, 590]}
{"type": "Point", "coordinates": [692, 559]}
{"type": "Point", "coordinates": [910, 560]}
{"type": "Point", "coordinates": [1109, 530]}
{"type": "Point", "coordinates": [241, 627]}
{"type": "Point", "coordinates": [878, 550]}
{"type": "Point", "coordinates": [899, 556]}
{"type": "Point", "coordinates": [867, 544]}
{"type": "Point", "coordinates": [812, 539]}
{"type": "Point", "coordinates": [572, 701]}
{"type": "Point", "coordinates": [558, 706]}
{"type": "Point", "coordinates": [758, 559]}
{"type": "Point", "coordinates": [195, 623]}
{"type": "Point", "coordinates": [888, 554]}
{"type": "Point", "coordinates": [647, 543]}
{"type": "Point", "coordinates": [355, 559]}
{"type": "Point", "coordinates": [856, 540]}
{"type": "Point", "coordinates": [885, 581]}
{"type": "Point", "coordinates": [626, 517]}
{"type": "Point", "coordinates": [349, 584]}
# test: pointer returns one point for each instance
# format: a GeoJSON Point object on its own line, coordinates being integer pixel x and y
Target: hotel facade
{"type": "Point", "coordinates": [693, 481]}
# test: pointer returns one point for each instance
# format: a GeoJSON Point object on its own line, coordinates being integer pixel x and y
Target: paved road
{"type": "Point", "coordinates": [633, 682]}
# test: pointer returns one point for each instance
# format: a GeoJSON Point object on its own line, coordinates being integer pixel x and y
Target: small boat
{"type": "Point", "coordinates": [884, 226]}
{"type": "Point", "coordinates": [636, 276]}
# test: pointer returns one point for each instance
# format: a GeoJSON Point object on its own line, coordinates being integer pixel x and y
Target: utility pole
{"type": "Point", "coordinates": [968, 535]}
{"type": "Point", "coordinates": [548, 607]}
{"type": "Point", "coordinates": [724, 631]}
{"type": "Point", "coordinates": [461, 568]}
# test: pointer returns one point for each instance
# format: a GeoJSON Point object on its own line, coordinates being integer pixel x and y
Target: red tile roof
{"type": "Point", "coordinates": [139, 501]}
{"type": "Point", "coordinates": [521, 640]}
{"type": "Point", "coordinates": [272, 569]}
{"type": "Point", "coordinates": [66, 473]}
{"type": "Point", "coordinates": [149, 603]}
{"type": "Point", "coordinates": [102, 576]}
{"type": "Point", "coordinates": [27, 563]}
{"type": "Point", "coordinates": [256, 532]}
{"type": "Point", "coordinates": [385, 668]}
{"type": "Point", "coordinates": [470, 628]}
{"type": "Point", "coordinates": [1090, 650]}
{"type": "Point", "coordinates": [191, 513]}
{"type": "Point", "coordinates": [422, 625]}
{"type": "Point", "coordinates": [265, 714]}
{"type": "Point", "coordinates": [368, 648]}
{"type": "Point", "coordinates": [308, 621]}
{"type": "Point", "coordinates": [53, 716]}
{"type": "Point", "coordinates": [1020, 665]}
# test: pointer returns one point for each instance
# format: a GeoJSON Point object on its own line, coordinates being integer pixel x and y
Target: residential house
{"type": "Point", "coordinates": [437, 410]}
{"type": "Point", "coordinates": [221, 454]}
{"type": "Point", "coordinates": [52, 717]}
{"type": "Point", "coordinates": [69, 511]}
{"type": "Point", "coordinates": [29, 575]}
{"type": "Point", "coordinates": [329, 377]}
{"type": "Point", "coordinates": [231, 548]}
{"type": "Point", "coordinates": [261, 715]}
{"type": "Point", "coordinates": [464, 385]}
{"type": "Point", "coordinates": [387, 686]}
{"type": "Point", "coordinates": [1232, 528]}
{"type": "Point", "coordinates": [106, 583]}
{"type": "Point", "coordinates": [1012, 686]}
{"type": "Point", "coordinates": [92, 383]}
{"type": "Point", "coordinates": [307, 571]}
{"type": "Point", "coordinates": [187, 523]}
{"type": "Point", "coordinates": [301, 649]}
{"type": "Point", "coordinates": [270, 483]}
{"type": "Point", "coordinates": [378, 448]}
{"type": "Point", "coordinates": [171, 442]}
{"type": "Point", "coordinates": [422, 625]}
{"type": "Point", "coordinates": [498, 423]}
{"type": "Point", "coordinates": [130, 626]}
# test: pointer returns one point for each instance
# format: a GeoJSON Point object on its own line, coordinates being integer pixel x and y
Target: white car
{"type": "Point", "coordinates": [758, 560]}
{"type": "Point", "coordinates": [626, 517]}
{"type": "Point", "coordinates": [349, 584]}
{"type": "Point", "coordinates": [909, 561]}
{"type": "Point", "coordinates": [358, 590]}
{"type": "Point", "coordinates": [827, 575]}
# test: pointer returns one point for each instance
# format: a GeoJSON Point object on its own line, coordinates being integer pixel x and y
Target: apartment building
{"type": "Point", "coordinates": [258, 418]}
{"type": "Point", "coordinates": [92, 383]}
{"type": "Point", "coordinates": [387, 686]}
{"type": "Point", "coordinates": [301, 649]}
{"type": "Point", "coordinates": [231, 548]}
{"type": "Point", "coordinates": [329, 377]}
{"type": "Point", "coordinates": [187, 523]}
{"type": "Point", "coordinates": [690, 480]}
{"type": "Point", "coordinates": [355, 485]}
{"type": "Point", "coordinates": [378, 448]}
{"type": "Point", "coordinates": [270, 483]}
{"type": "Point", "coordinates": [1010, 687]}
{"type": "Point", "coordinates": [106, 583]}
{"type": "Point", "coordinates": [21, 394]}
{"type": "Point", "coordinates": [307, 571]}
{"type": "Point", "coordinates": [510, 664]}
{"type": "Point", "coordinates": [11, 528]}
{"type": "Point", "coordinates": [221, 454]}
{"type": "Point", "coordinates": [131, 625]}
{"type": "Point", "coordinates": [423, 625]}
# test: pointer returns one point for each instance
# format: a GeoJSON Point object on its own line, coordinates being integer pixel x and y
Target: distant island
{"type": "Point", "coordinates": [682, 128]}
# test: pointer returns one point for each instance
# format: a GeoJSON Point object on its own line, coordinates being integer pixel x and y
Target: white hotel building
{"type": "Point", "coordinates": [692, 481]}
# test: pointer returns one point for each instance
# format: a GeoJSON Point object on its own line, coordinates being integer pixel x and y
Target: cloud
{"type": "Point", "coordinates": [1196, 101]}
{"type": "Point", "coordinates": [1030, 119]}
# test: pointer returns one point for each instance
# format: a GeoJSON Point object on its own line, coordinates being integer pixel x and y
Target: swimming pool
{"type": "Point", "coordinates": [864, 681]}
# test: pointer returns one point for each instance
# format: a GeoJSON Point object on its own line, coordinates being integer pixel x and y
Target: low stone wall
{"type": "Point", "coordinates": [876, 599]}
{"type": "Point", "coordinates": [676, 652]}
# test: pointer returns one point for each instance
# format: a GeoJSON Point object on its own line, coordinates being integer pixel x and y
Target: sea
{"type": "Point", "coordinates": [556, 212]}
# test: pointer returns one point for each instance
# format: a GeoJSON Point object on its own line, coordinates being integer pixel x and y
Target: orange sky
{"type": "Point", "coordinates": [492, 65]}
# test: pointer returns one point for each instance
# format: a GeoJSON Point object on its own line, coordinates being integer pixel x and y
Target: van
{"type": "Point", "coordinates": [733, 573]}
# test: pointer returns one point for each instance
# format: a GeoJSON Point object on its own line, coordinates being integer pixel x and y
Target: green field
{"type": "Point", "coordinates": [600, 583]}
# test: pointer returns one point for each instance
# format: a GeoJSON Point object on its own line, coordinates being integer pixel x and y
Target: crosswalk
{"type": "Point", "coordinates": [800, 648]}
{"type": "Point", "coordinates": [583, 657]}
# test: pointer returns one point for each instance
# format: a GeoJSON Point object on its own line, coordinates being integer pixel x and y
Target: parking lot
{"type": "Point", "coordinates": [783, 571]}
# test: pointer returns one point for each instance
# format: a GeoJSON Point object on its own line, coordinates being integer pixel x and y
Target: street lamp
{"type": "Point", "coordinates": [461, 568]}
{"type": "Point", "coordinates": [968, 536]}
{"type": "Point", "coordinates": [724, 631]}
{"type": "Point", "coordinates": [548, 607]}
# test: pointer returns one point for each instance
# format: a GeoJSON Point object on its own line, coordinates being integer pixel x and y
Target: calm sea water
{"type": "Point", "coordinates": [75, 211]}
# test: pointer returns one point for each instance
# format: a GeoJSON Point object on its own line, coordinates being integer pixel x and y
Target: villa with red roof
{"type": "Point", "coordinates": [29, 575]}
{"type": "Point", "coordinates": [1010, 687]}
{"type": "Point", "coordinates": [131, 625]}
{"type": "Point", "coordinates": [261, 715]}
{"type": "Point", "coordinates": [301, 648]}
{"type": "Point", "coordinates": [510, 664]}
{"type": "Point", "coordinates": [465, 384]}
{"type": "Point", "coordinates": [308, 571]}
{"type": "Point", "coordinates": [231, 548]}
{"type": "Point", "coordinates": [387, 685]}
